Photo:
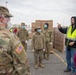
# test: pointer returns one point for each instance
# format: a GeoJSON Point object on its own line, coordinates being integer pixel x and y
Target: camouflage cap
{"type": "Point", "coordinates": [38, 27]}
{"type": "Point", "coordinates": [4, 11]}
{"type": "Point", "coordinates": [23, 24]}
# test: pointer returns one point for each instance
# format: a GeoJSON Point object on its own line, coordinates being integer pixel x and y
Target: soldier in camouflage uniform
{"type": "Point", "coordinates": [38, 43]}
{"type": "Point", "coordinates": [23, 35]}
{"type": "Point", "coordinates": [13, 58]}
{"type": "Point", "coordinates": [47, 33]}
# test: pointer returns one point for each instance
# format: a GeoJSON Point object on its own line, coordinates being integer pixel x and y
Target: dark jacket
{"type": "Point", "coordinates": [67, 41]}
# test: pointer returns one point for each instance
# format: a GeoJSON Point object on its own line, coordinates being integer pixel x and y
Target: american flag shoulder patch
{"type": "Point", "coordinates": [19, 48]}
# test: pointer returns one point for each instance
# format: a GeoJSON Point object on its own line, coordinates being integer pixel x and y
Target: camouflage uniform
{"type": "Point", "coordinates": [47, 33]}
{"type": "Point", "coordinates": [38, 42]}
{"type": "Point", "coordinates": [13, 59]}
{"type": "Point", "coordinates": [23, 36]}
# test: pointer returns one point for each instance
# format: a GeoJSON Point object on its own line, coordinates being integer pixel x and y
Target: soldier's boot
{"type": "Point", "coordinates": [51, 52]}
{"type": "Point", "coordinates": [47, 57]}
{"type": "Point", "coordinates": [44, 56]}
{"type": "Point", "coordinates": [36, 66]}
{"type": "Point", "coordinates": [41, 65]}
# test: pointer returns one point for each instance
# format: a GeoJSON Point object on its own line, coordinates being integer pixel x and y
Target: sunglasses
{"type": "Point", "coordinates": [6, 16]}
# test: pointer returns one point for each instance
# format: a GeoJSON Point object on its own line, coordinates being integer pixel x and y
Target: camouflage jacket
{"type": "Point", "coordinates": [11, 51]}
{"type": "Point", "coordinates": [23, 35]}
{"type": "Point", "coordinates": [38, 41]}
{"type": "Point", "coordinates": [47, 33]}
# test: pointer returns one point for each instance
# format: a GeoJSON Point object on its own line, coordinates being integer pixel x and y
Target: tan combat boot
{"type": "Point", "coordinates": [47, 58]}
{"type": "Point", "coordinates": [41, 65]}
{"type": "Point", "coordinates": [51, 52]}
{"type": "Point", "coordinates": [36, 66]}
{"type": "Point", "coordinates": [44, 57]}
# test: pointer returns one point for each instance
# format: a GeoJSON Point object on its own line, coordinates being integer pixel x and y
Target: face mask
{"type": "Point", "coordinates": [45, 26]}
{"type": "Point", "coordinates": [39, 30]}
{"type": "Point", "coordinates": [9, 25]}
{"type": "Point", "coordinates": [23, 27]}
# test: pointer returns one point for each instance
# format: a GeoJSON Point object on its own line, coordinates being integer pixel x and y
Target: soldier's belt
{"type": "Point", "coordinates": [38, 49]}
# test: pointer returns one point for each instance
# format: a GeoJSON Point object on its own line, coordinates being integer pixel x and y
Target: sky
{"type": "Point", "coordinates": [60, 11]}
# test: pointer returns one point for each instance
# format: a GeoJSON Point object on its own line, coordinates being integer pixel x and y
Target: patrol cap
{"type": "Point", "coordinates": [38, 27]}
{"type": "Point", "coordinates": [5, 12]}
{"type": "Point", "coordinates": [23, 24]}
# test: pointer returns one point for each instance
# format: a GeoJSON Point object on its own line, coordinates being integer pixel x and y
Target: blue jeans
{"type": "Point", "coordinates": [70, 59]}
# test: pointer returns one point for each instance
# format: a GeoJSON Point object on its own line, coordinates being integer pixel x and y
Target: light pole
{"type": "Point", "coordinates": [6, 4]}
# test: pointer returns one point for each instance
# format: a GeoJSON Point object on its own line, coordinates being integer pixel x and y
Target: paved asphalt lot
{"type": "Point", "coordinates": [54, 66]}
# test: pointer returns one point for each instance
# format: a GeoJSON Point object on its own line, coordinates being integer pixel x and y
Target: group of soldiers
{"type": "Point", "coordinates": [41, 42]}
{"type": "Point", "coordinates": [13, 58]}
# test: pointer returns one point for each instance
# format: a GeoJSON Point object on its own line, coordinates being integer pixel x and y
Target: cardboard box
{"type": "Point", "coordinates": [59, 40]}
{"type": "Point", "coordinates": [33, 26]}
{"type": "Point", "coordinates": [41, 24]}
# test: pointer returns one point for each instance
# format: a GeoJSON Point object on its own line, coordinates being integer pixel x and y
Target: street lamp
{"type": "Point", "coordinates": [6, 4]}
